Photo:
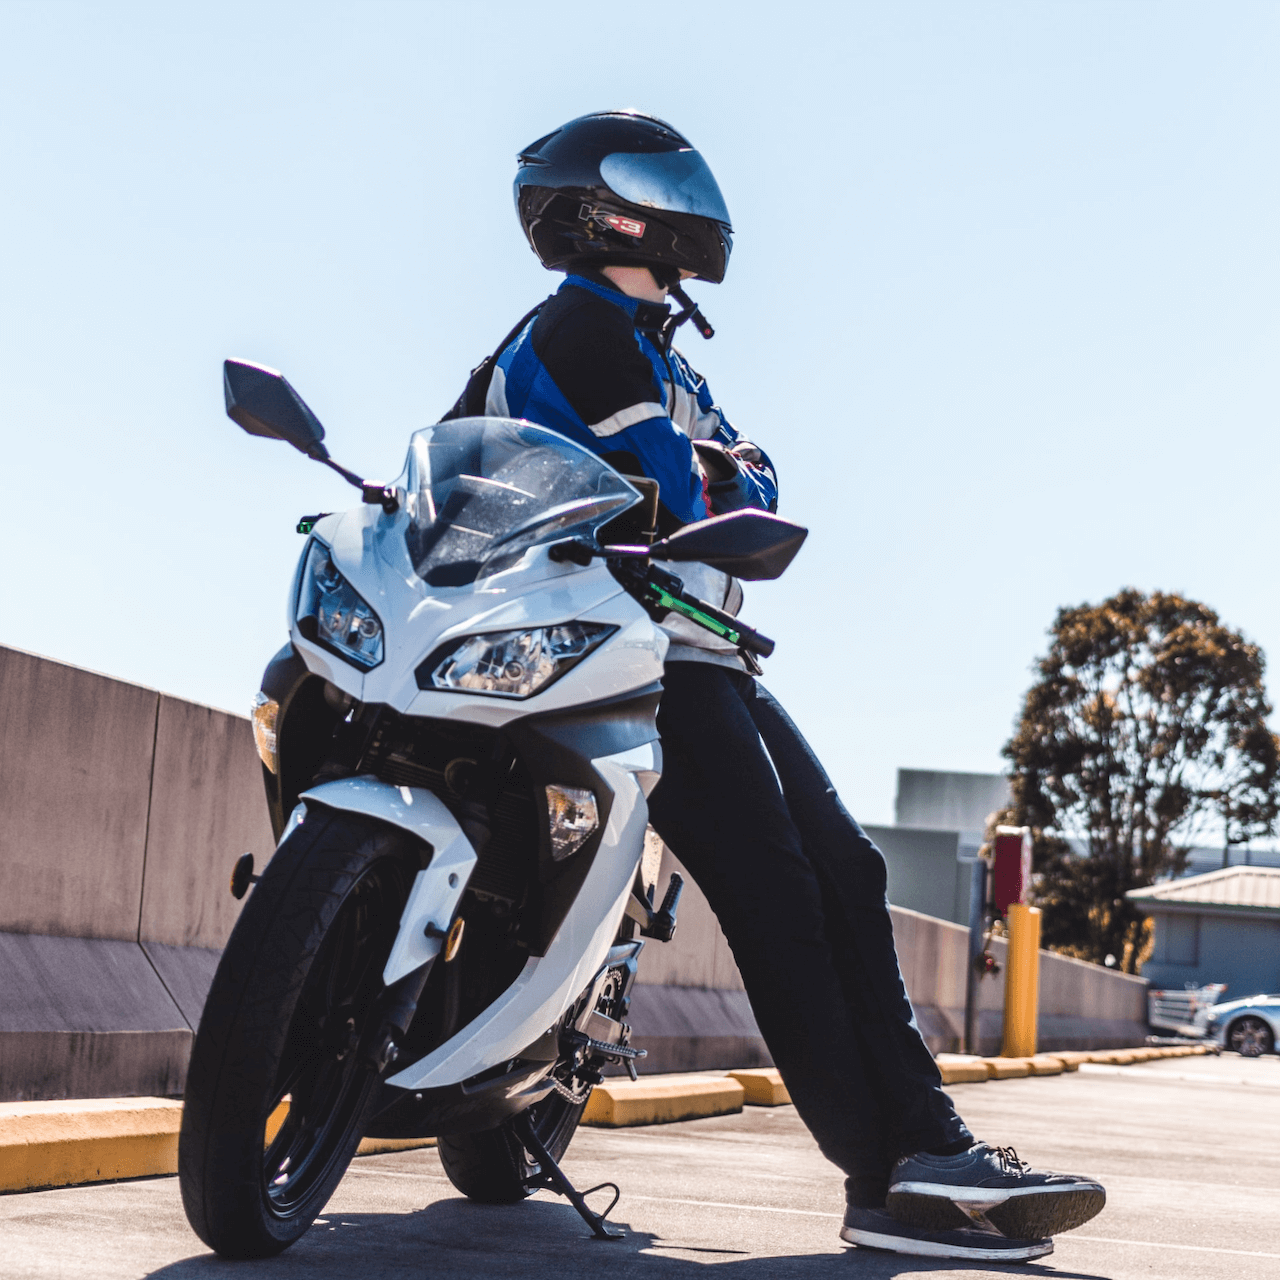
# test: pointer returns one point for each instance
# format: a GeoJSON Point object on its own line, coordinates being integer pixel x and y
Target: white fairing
{"type": "Point", "coordinates": [549, 984]}
{"type": "Point", "coordinates": [438, 887]}
{"type": "Point", "coordinates": [369, 548]}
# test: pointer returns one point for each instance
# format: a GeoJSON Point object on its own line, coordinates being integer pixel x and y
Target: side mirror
{"type": "Point", "coordinates": [749, 544]}
{"type": "Point", "coordinates": [262, 402]}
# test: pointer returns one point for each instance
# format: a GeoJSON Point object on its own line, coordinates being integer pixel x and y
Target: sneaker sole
{"type": "Point", "coordinates": [1023, 1251]}
{"type": "Point", "coordinates": [1022, 1213]}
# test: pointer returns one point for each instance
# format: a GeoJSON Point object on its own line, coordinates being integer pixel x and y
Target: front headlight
{"type": "Point", "coordinates": [512, 664]}
{"type": "Point", "coordinates": [331, 613]}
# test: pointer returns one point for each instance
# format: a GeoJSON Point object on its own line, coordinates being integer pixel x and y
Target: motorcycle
{"type": "Point", "coordinates": [458, 743]}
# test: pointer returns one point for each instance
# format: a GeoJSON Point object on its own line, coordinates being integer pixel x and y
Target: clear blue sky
{"type": "Point", "coordinates": [1002, 309]}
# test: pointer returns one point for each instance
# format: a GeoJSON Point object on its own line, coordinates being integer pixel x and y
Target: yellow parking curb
{"type": "Point", "coordinates": [384, 1146]}
{"type": "Point", "coordinates": [1006, 1068]}
{"type": "Point", "coordinates": [367, 1147]}
{"type": "Point", "coordinates": [58, 1144]}
{"type": "Point", "coordinates": [63, 1144]}
{"type": "Point", "coordinates": [1072, 1058]}
{"type": "Point", "coordinates": [763, 1087]}
{"type": "Point", "coordinates": [962, 1068]}
{"type": "Point", "coordinates": [662, 1099]}
{"type": "Point", "coordinates": [1045, 1064]}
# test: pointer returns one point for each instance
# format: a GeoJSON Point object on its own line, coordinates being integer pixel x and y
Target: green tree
{"type": "Point", "coordinates": [1145, 731]}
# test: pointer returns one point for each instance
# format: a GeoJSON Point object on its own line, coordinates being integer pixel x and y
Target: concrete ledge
{"type": "Point", "coordinates": [51, 1066]}
{"type": "Point", "coordinates": [763, 1087]}
{"type": "Point", "coordinates": [662, 1099]}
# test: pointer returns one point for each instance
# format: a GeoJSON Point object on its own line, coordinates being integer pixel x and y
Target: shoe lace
{"type": "Point", "coordinates": [1009, 1161]}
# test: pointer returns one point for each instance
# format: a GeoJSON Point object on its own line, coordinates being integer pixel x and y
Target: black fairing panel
{"type": "Point", "coordinates": [471, 1107]}
{"type": "Point", "coordinates": [558, 747]}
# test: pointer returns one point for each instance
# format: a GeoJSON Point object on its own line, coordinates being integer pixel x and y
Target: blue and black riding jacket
{"type": "Point", "coordinates": [596, 366]}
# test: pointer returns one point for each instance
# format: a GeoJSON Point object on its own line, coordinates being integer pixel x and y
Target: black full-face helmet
{"type": "Point", "coordinates": [621, 188]}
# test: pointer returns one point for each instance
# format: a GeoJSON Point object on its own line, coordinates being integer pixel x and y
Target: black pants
{"type": "Point", "coordinates": [799, 890]}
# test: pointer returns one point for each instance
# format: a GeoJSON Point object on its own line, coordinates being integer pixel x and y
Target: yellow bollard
{"type": "Point", "coordinates": [1022, 981]}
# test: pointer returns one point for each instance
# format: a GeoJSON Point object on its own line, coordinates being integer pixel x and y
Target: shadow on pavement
{"type": "Point", "coordinates": [456, 1238]}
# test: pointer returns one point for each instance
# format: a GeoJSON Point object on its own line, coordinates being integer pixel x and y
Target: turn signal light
{"type": "Point", "coordinates": [263, 713]}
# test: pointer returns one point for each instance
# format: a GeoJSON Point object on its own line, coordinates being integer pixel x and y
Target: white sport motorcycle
{"type": "Point", "coordinates": [458, 743]}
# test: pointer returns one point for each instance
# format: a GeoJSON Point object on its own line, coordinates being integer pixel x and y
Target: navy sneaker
{"type": "Point", "coordinates": [991, 1189]}
{"type": "Point", "coordinates": [878, 1229]}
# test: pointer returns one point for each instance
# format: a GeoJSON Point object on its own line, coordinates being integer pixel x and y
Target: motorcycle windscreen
{"type": "Point", "coordinates": [482, 491]}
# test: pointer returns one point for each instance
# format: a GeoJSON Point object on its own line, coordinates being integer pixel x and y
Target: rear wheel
{"type": "Point", "coordinates": [493, 1166]}
{"type": "Point", "coordinates": [1250, 1037]}
{"type": "Point", "coordinates": [282, 1075]}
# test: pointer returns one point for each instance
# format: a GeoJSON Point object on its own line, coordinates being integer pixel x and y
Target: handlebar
{"type": "Point", "coordinates": [661, 592]}
{"type": "Point", "coordinates": [666, 591]}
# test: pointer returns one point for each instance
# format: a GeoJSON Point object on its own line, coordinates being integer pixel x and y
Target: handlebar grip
{"type": "Point", "coordinates": [753, 641]}
{"type": "Point", "coordinates": [748, 637]}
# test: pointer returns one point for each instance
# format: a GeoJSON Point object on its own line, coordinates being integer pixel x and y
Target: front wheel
{"type": "Point", "coordinates": [282, 1076]}
{"type": "Point", "coordinates": [1250, 1037]}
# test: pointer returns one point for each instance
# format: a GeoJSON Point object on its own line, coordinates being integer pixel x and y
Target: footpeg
{"type": "Point", "coordinates": [660, 924]}
{"type": "Point", "coordinates": [551, 1177]}
{"type": "Point", "coordinates": [619, 1052]}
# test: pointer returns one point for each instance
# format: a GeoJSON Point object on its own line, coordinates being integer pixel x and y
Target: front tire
{"type": "Point", "coordinates": [1250, 1037]}
{"type": "Point", "coordinates": [289, 1020]}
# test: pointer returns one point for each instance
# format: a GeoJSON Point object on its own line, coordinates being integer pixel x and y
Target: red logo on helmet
{"type": "Point", "coordinates": [628, 226]}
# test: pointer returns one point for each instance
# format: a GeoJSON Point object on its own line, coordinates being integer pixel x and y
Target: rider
{"type": "Point", "coordinates": [625, 206]}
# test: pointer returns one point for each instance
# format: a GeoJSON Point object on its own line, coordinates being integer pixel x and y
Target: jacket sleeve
{"type": "Point", "coordinates": [591, 353]}
{"type": "Point", "coordinates": [756, 481]}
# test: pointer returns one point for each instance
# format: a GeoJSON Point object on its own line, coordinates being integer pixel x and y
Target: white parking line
{"type": "Point", "coordinates": [815, 1213]}
{"type": "Point", "coordinates": [1189, 1248]}
{"type": "Point", "coordinates": [746, 1208]}
{"type": "Point", "coordinates": [1215, 1079]}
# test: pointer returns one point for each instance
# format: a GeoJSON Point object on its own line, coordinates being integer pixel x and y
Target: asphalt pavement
{"type": "Point", "coordinates": [1189, 1150]}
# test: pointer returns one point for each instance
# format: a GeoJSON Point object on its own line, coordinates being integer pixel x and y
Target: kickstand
{"type": "Point", "coordinates": [551, 1176]}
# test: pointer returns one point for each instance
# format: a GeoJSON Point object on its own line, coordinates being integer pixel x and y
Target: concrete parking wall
{"type": "Point", "coordinates": [1082, 1006]}
{"type": "Point", "coordinates": [123, 811]}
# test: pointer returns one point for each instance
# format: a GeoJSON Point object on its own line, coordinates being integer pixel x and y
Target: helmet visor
{"type": "Point", "coordinates": [677, 181]}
